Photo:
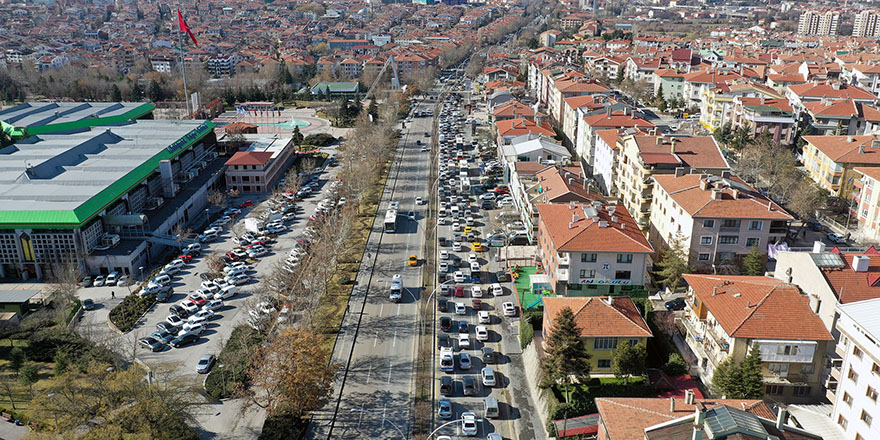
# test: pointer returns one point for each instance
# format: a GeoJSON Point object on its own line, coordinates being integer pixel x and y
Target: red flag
{"type": "Point", "coordinates": [184, 27]}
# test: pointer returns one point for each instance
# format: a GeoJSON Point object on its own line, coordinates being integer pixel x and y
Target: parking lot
{"type": "Point", "coordinates": [235, 310]}
{"type": "Point", "coordinates": [479, 370]}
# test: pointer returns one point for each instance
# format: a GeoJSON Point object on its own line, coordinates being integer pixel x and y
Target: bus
{"type": "Point", "coordinates": [390, 220]}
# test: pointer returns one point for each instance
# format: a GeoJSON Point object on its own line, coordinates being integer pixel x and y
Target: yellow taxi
{"type": "Point", "coordinates": [467, 230]}
{"type": "Point", "coordinates": [413, 260]}
{"type": "Point", "coordinates": [477, 246]}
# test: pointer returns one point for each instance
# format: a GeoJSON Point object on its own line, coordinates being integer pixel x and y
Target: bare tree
{"type": "Point", "coordinates": [217, 199]}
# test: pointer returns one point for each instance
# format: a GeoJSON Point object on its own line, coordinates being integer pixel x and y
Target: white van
{"type": "Point", "coordinates": [490, 408]}
{"type": "Point", "coordinates": [227, 292]}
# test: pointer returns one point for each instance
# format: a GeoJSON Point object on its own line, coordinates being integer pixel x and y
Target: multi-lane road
{"type": "Point", "coordinates": [376, 347]}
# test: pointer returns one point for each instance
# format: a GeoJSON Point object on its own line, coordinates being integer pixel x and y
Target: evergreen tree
{"type": "Point", "coordinates": [154, 92]}
{"type": "Point", "coordinates": [722, 135]}
{"type": "Point", "coordinates": [673, 263]}
{"type": "Point", "coordinates": [753, 263]}
{"type": "Point", "coordinates": [115, 94]}
{"type": "Point", "coordinates": [297, 136]}
{"type": "Point", "coordinates": [373, 110]}
{"type": "Point", "coordinates": [752, 381]}
{"type": "Point", "coordinates": [727, 378]}
{"type": "Point", "coordinates": [629, 360]}
{"type": "Point", "coordinates": [566, 358]}
{"type": "Point", "coordinates": [137, 92]}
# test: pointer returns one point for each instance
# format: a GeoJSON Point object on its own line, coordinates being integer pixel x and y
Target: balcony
{"type": "Point", "coordinates": [563, 258]}
{"type": "Point", "coordinates": [562, 275]}
{"type": "Point", "coordinates": [831, 394]}
{"type": "Point", "coordinates": [729, 229]}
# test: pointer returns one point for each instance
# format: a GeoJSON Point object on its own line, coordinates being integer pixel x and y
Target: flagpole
{"type": "Point", "coordinates": [182, 64]}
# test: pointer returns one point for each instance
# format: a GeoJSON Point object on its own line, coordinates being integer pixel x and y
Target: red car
{"type": "Point", "coordinates": [258, 243]}
{"type": "Point", "coordinates": [478, 305]}
{"type": "Point", "coordinates": [459, 291]}
{"type": "Point", "coordinates": [197, 300]}
{"type": "Point", "coordinates": [187, 258]}
{"type": "Point", "coordinates": [246, 204]}
{"type": "Point", "coordinates": [232, 256]}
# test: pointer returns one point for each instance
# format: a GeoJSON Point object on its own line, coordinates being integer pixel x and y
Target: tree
{"type": "Point", "coordinates": [675, 366]}
{"type": "Point", "coordinates": [115, 94]}
{"type": "Point", "coordinates": [217, 199]}
{"type": "Point", "coordinates": [673, 263]}
{"type": "Point", "coordinates": [62, 362]}
{"type": "Point", "coordinates": [16, 358]}
{"type": "Point", "coordinates": [10, 387]}
{"type": "Point", "coordinates": [137, 92]}
{"type": "Point", "coordinates": [29, 374]}
{"type": "Point", "coordinates": [154, 91]}
{"type": "Point", "coordinates": [753, 263]}
{"type": "Point", "coordinates": [566, 359]}
{"type": "Point", "coordinates": [726, 378]}
{"type": "Point", "coordinates": [752, 381]}
{"type": "Point", "coordinates": [284, 376]}
{"type": "Point", "coordinates": [722, 135]}
{"type": "Point", "coordinates": [629, 360]}
{"type": "Point", "coordinates": [297, 136]}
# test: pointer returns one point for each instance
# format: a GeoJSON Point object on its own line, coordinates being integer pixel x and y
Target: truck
{"type": "Point", "coordinates": [396, 288]}
{"type": "Point", "coordinates": [253, 225]}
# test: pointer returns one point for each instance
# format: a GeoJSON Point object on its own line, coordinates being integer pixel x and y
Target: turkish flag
{"type": "Point", "coordinates": [184, 27]}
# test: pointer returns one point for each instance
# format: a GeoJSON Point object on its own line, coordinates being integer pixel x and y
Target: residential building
{"type": "Point", "coordinates": [867, 204]}
{"type": "Point", "coordinates": [222, 65]}
{"type": "Point", "coordinates": [642, 156]}
{"type": "Point", "coordinates": [831, 160]}
{"type": "Point", "coordinates": [531, 148]}
{"type": "Point", "coordinates": [642, 69]}
{"type": "Point", "coordinates": [800, 94]}
{"type": "Point", "coordinates": [669, 83]}
{"type": "Point", "coordinates": [866, 76]}
{"type": "Point", "coordinates": [603, 323]}
{"type": "Point", "coordinates": [589, 126]}
{"type": "Point", "coordinates": [763, 115]}
{"type": "Point", "coordinates": [716, 105]}
{"type": "Point", "coordinates": [579, 107]}
{"type": "Point", "coordinates": [592, 249]}
{"type": "Point", "coordinates": [841, 117]}
{"type": "Point", "coordinates": [696, 82]}
{"type": "Point", "coordinates": [816, 23]}
{"type": "Point", "coordinates": [866, 24]}
{"type": "Point", "coordinates": [511, 128]}
{"type": "Point", "coordinates": [563, 89]}
{"type": "Point", "coordinates": [854, 382]}
{"type": "Point", "coordinates": [729, 315]}
{"type": "Point", "coordinates": [718, 219]}
{"type": "Point", "coordinates": [630, 418]}
{"type": "Point", "coordinates": [257, 168]}
{"type": "Point", "coordinates": [514, 110]}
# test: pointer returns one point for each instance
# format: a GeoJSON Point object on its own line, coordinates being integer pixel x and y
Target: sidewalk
{"type": "Point", "coordinates": [9, 431]}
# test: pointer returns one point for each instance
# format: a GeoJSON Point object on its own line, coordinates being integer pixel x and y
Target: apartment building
{"type": "Point", "coordinates": [831, 161]}
{"type": "Point", "coordinates": [816, 23]}
{"type": "Point", "coordinates": [257, 168]}
{"type": "Point", "coordinates": [762, 115]}
{"type": "Point", "coordinates": [854, 382]}
{"type": "Point", "coordinates": [729, 315]}
{"type": "Point", "coordinates": [866, 24]}
{"type": "Point", "coordinates": [866, 76]}
{"type": "Point", "coordinates": [639, 69]}
{"type": "Point", "coordinates": [562, 89]}
{"type": "Point", "coordinates": [696, 82]}
{"type": "Point", "coordinates": [641, 157]}
{"type": "Point", "coordinates": [716, 104]}
{"type": "Point", "coordinates": [603, 322]}
{"type": "Point", "coordinates": [589, 126]}
{"type": "Point", "coordinates": [591, 250]}
{"type": "Point", "coordinates": [828, 92]}
{"type": "Point", "coordinates": [719, 219]}
{"type": "Point", "coordinates": [670, 83]}
{"type": "Point", "coordinates": [867, 207]}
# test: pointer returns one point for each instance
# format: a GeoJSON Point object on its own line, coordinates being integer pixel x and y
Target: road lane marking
{"type": "Point", "coordinates": [369, 371]}
{"type": "Point", "coordinates": [376, 340]}
{"type": "Point", "coordinates": [390, 370]}
{"type": "Point", "coordinates": [398, 310]}
{"type": "Point", "coordinates": [394, 340]}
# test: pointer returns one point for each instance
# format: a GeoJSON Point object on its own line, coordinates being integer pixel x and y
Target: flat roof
{"type": "Point", "coordinates": [17, 296]}
{"type": "Point", "coordinates": [261, 143]}
{"type": "Point", "coordinates": [866, 314]}
{"type": "Point", "coordinates": [46, 117]}
{"type": "Point", "coordinates": [63, 180]}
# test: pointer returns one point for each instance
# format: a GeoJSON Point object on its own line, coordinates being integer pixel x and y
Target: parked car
{"type": "Point", "coordinates": [447, 386]}
{"type": "Point", "coordinates": [88, 304]}
{"type": "Point", "coordinates": [509, 309]}
{"type": "Point", "coordinates": [444, 409]}
{"type": "Point", "coordinates": [470, 385]}
{"type": "Point", "coordinates": [151, 343]}
{"type": "Point", "coordinates": [835, 237]}
{"type": "Point", "coordinates": [675, 304]}
{"type": "Point", "coordinates": [488, 377]}
{"type": "Point", "coordinates": [464, 361]}
{"type": "Point", "coordinates": [205, 363]}
{"type": "Point", "coordinates": [186, 339]}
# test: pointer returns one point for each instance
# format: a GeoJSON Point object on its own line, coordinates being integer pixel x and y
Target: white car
{"type": "Point", "coordinates": [456, 246]}
{"type": "Point", "coordinates": [484, 317]}
{"type": "Point", "coordinates": [444, 255]}
{"type": "Point", "coordinates": [476, 292]}
{"type": "Point", "coordinates": [488, 376]}
{"type": "Point", "coordinates": [482, 333]}
{"type": "Point", "coordinates": [192, 247]}
{"type": "Point", "coordinates": [443, 267]}
{"type": "Point", "coordinates": [214, 304]}
{"type": "Point", "coordinates": [238, 279]}
{"type": "Point", "coordinates": [460, 309]}
{"type": "Point", "coordinates": [189, 306]}
{"type": "Point", "coordinates": [441, 220]}
{"type": "Point", "coordinates": [509, 309]}
{"type": "Point", "coordinates": [458, 277]}
{"type": "Point", "coordinates": [456, 226]}
{"type": "Point", "coordinates": [220, 282]}
{"type": "Point", "coordinates": [257, 251]}
{"type": "Point", "coordinates": [496, 289]}
{"type": "Point", "coordinates": [99, 281]}
{"type": "Point", "coordinates": [419, 201]}
{"type": "Point", "coordinates": [195, 328]}
{"type": "Point", "coordinates": [464, 341]}
{"type": "Point", "coordinates": [210, 287]}
{"type": "Point", "coordinates": [469, 424]}
{"type": "Point", "coordinates": [170, 270]}
{"type": "Point", "coordinates": [201, 317]}
{"type": "Point", "coordinates": [487, 196]}
{"type": "Point", "coordinates": [472, 258]}
{"type": "Point", "coordinates": [112, 279]}
{"type": "Point", "coordinates": [174, 320]}
{"type": "Point", "coordinates": [235, 265]}
{"type": "Point", "coordinates": [123, 280]}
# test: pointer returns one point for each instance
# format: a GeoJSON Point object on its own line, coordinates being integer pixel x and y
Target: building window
{"type": "Point", "coordinates": [871, 393]}
{"type": "Point", "coordinates": [852, 375]}
{"type": "Point", "coordinates": [604, 363]}
{"type": "Point", "coordinates": [604, 343]}
{"type": "Point", "coordinates": [728, 223]}
{"type": "Point", "coordinates": [842, 422]}
{"type": "Point", "coordinates": [857, 352]}
{"type": "Point", "coordinates": [624, 258]}
{"type": "Point", "coordinates": [847, 399]}
{"type": "Point", "coordinates": [588, 273]}
{"type": "Point", "coordinates": [707, 240]}
{"type": "Point", "coordinates": [807, 369]}
{"type": "Point", "coordinates": [708, 223]}
{"type": "Point", "coordinates": [756, 225]}
{"type": "Point", "coordinates": [779, 369]}
{"type": "Point", "coordinates": [622, 275]}
{"type": "Point", "coordinates": [728, 239]}
{"type": "Point", "coordinates": [775, 390]}
{"type": "Point", "coordinates": [787, 350]}
{"type": "Point", "coordinates": [865, 417]}
{"type": "Point", "coordinates": [588, 258]}
{"type": "Point", "coordinates": [753, 242]}
{"type": "Point", "coordinates": [801, 391]}
{"type": "Point", "coordinates": [875, 369]}
{"type": "Point", "coordinates": [859, 437]}
{"type": "Point", "coordinates": [704, 257]}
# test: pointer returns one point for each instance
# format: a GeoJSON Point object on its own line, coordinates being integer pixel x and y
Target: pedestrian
{"type": "Point", "coordinates": [112, 294]}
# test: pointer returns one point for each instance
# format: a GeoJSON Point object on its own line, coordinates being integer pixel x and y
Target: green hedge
{"type": "Point", "coordinates": [583, 398]}
{"type": "Point", "coordinates": [126, 315]}
{"type": "Point", "coordinates": [234, 373]}
{"type": "Point", "coordinates": [319, 139]}
{"type": "Point", "coordinates": [77, 304]}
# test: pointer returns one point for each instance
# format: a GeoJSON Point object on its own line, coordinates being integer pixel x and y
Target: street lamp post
{"type": "Point", "coordinates": [141, 269]}
{"type": "Point", "coordinates": [384, 419]}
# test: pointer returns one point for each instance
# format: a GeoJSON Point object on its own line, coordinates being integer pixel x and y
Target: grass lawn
{"type": "Point", "coordinates": [20, 393]}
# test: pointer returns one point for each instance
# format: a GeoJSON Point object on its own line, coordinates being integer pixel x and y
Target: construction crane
{"type": "Point", "coordinates": [395, 81]}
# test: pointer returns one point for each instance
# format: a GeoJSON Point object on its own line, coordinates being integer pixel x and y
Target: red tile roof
{"type": "Point", "coordinates": [757, 307]}
{"type": "Point", "coordinates": [516, 127]}
{"type": "Point", "coordinates": [249, 158]}
{"type": "Point", "coordinates": [824, 90]}
{"type": "Point", "coordinates": [700, 152]}
{"type": "Point", "coordinates": [596, 318]}
{"type": "Point", "coordinates": [851, 286]}
{"type": "Point", "coordinates": [686, 190]}
{"type": "Point", "coordinates": [585, 235]}
{"type": "Point", "coordinates": [847, 149]}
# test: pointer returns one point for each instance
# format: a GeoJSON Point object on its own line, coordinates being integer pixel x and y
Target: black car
{"type": "Point", "coordinates": [163, 336]}
{"type": "Point", "coordinates": [442, 305]}
{"type": "Point", "coordinates": [151, 344]}
{"type": "Point", "coordinates": [443, 341]}
{"type": "Point", "coordinates": [490, 356]}
{"type": "Point", "coordinates": [186, 339]}
{"type": "Point", "coordinates": [88, 304]}
{"type": "Point", "coordinates": [470, 386]}
{"type": "Point", "coordinates": [164, 326]}
{"type": "Point", "coordinates": [676, 304]}
{"type": "Point", "coordinates": [178, 311]}
{"type": "Point", "coordinates": [502, 276]}
{"type": "Point", "coordinates": [447, 386]}
{"type": "Point", "coordinates": [445, 323]}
